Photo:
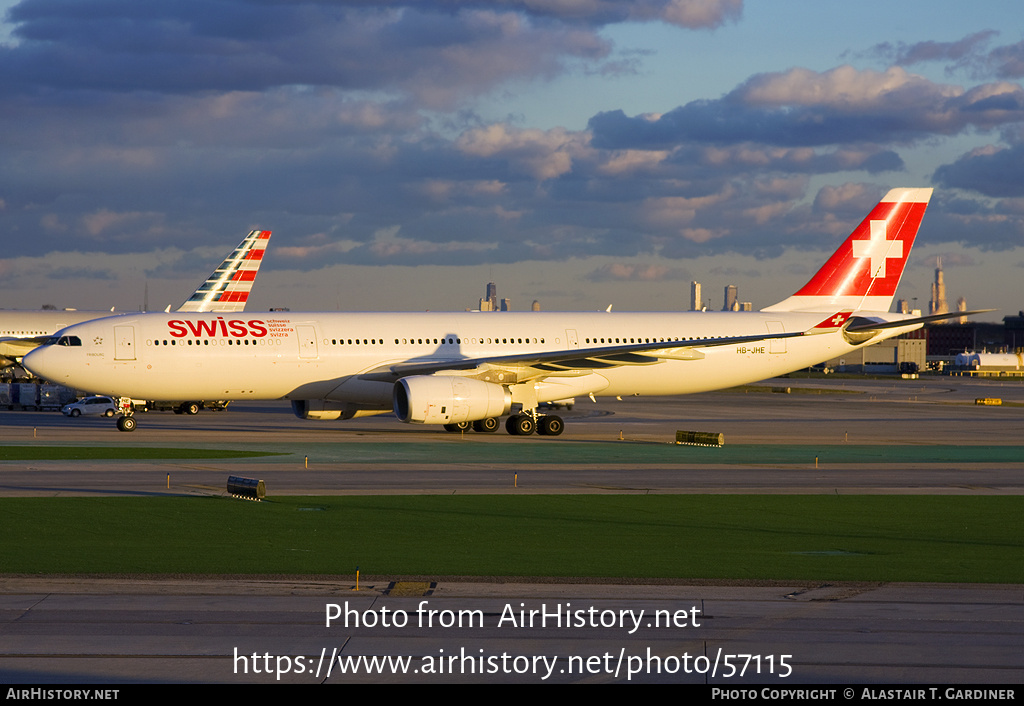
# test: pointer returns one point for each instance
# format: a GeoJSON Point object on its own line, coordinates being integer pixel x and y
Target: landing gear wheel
{"type": "Point", "coordinates": [126, 424]}
{"type": "Point", "coordinates": [520, 425]}
{"type": "Point", "coordinates": [550, 425]}
{"type": "Point", "coordinates": [486, 425]}
{"type": "Point", "coordinates": [461, 426]}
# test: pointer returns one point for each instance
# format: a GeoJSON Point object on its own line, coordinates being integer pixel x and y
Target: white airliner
{"type": "Point", "coordinates": [465, 370]}
{"type": "Point", "coordinates": [226, 289]}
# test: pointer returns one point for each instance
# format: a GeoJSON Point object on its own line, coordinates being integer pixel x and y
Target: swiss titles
{"type": "Point", "coordinates": [237, 328]}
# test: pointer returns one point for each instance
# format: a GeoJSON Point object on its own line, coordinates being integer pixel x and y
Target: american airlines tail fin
{"type": "Point", "coordinates": [227, 289]}
{"type": "Point", "coordinates": [862, 275]}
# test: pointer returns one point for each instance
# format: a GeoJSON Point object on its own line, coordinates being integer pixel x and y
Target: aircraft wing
{"type": "Point", "coordinates": [18, 347]}
{"type": "Point", "coordinates": [574, 358]}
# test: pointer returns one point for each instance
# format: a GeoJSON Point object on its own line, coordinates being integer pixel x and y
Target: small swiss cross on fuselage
{"type": "Point", "coordinates": [834, 322]}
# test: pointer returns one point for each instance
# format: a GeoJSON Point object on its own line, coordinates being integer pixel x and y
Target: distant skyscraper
{"type": "Point", "coordinates": [492, 296]}
{"type": "Point", "coordinates": [490, 300]}
{"type": "Point", "coordinates": [938, 303]}
{"type": "Point", "coordinates": [902, 306]}
{"type": "Point", "coordinates": [961, 305]}
{"type": "Point", "coordinates": [730, 298]}
{"type": "Point", "coordinates": [695, 301]}
{"type": "Point", "coordinates": [491, 303]}
{"type": "Point", "coordinates": [535, 306]}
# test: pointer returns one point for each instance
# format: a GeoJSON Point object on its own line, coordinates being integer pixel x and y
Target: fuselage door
{"type": "Point", "coordinates": [776, 345]}
{"type": "Point", "coordinates": [307, 340]}
{"type": "Point", "coordinates": [124, 343]}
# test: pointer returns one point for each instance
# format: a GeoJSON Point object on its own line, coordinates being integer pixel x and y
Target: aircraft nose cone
{"type": "Point", "coordinates": [39, 363]}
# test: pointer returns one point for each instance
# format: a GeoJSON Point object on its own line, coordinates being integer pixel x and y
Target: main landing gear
{"type": "Point", "coordinates": [482, 425]}
{"type": "Point", "coordinates": [522, 424]}
{"type": "Point", "coordinates": [526, 424]}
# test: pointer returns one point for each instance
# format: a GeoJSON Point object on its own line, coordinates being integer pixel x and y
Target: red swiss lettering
{"type": "Point", "coordinates": [180, 328]}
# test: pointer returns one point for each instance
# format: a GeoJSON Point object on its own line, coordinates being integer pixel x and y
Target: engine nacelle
{"type": "Point", "coordinates": [326, 410]}
{"type": "Point", "coordinates": [438, 399]}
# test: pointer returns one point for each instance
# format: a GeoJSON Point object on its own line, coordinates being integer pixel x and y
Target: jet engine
{"type": "Point", "coordinates": [439, 399]}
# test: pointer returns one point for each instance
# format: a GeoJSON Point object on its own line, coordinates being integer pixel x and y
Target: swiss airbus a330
{"type": "Point", "coordinates": [467, 370]}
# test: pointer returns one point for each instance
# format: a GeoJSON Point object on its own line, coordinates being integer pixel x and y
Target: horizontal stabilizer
{"type": "Point", "coordinates": [863, 324]}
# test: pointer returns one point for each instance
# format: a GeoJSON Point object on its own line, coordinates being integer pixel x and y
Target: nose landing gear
{"type": "Point", "coordinates": [126, 422]}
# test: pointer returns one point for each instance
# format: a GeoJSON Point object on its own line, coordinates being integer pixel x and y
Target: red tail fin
{"type": "Point", "coordinates": [862, 275]}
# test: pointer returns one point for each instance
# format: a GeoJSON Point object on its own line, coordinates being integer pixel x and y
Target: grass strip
{"type": "Point", "coordinates": [819, 537]}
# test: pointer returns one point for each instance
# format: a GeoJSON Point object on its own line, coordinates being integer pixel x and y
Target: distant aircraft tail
{"type": "Point", "coordinates": [227, 289]}
{"type": "Point", "coordinates": [862, 275]}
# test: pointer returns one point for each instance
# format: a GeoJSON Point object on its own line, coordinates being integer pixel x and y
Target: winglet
{"type": "Point", "coordinates": [862, 275]}
{"type": "Point", "coordinates": [227, 289]}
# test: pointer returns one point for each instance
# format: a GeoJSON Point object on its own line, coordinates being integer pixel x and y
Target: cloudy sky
{"type": "Point", "coordinates": [579, 152]}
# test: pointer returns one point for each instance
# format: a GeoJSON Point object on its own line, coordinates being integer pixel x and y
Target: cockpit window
{"type": "Point", "coordinates": [63, 341]}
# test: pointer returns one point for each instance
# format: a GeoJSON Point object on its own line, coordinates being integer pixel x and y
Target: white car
{"type": "Point", "coordinates": [91, 405]}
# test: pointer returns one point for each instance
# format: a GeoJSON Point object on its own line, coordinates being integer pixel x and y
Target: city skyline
{"type": "Point", "coordinates": [602, 154]}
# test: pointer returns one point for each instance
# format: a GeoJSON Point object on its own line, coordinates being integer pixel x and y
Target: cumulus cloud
{"type": "Point", "coordinates": [843, 87]}
{"type": "Point", "coordinates": [800, 107]}
{"type": "Point", "coordinates": [623, 162]}
{"type": "Point", "coordinates": [321, 249]}
{"type": "Point", "coordinates": [691, 14]}
{"type": "Point", "coordinates": [387, 245]}
{"type": "Point", "coordinates": [1007, 61]}
{"type": "Point", "coordinates": [802, 160]}
{"type": "Point", "coordinates": [681, 210]}
{"type": "Point", "coordinates": [991, 170]}
{"type": "Point", "coordinates": [103, 221]}
{"type": "Point", "coordinates": [982, 224]}
{"type": "Point", "coordinates": [435, 52]}
{"type": "Point", "coordinates": [543, 154]}
{"type": "Point", "coordinates": [700, 13]}
{"type": "Point", "coordinates": [636, 272]}
{"type": "Point", "coordinates": [957, 52]}
{"type": "Point", "coordinates": [970, 53]}
{"type": "Point", "coordinates": [847, 198]}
